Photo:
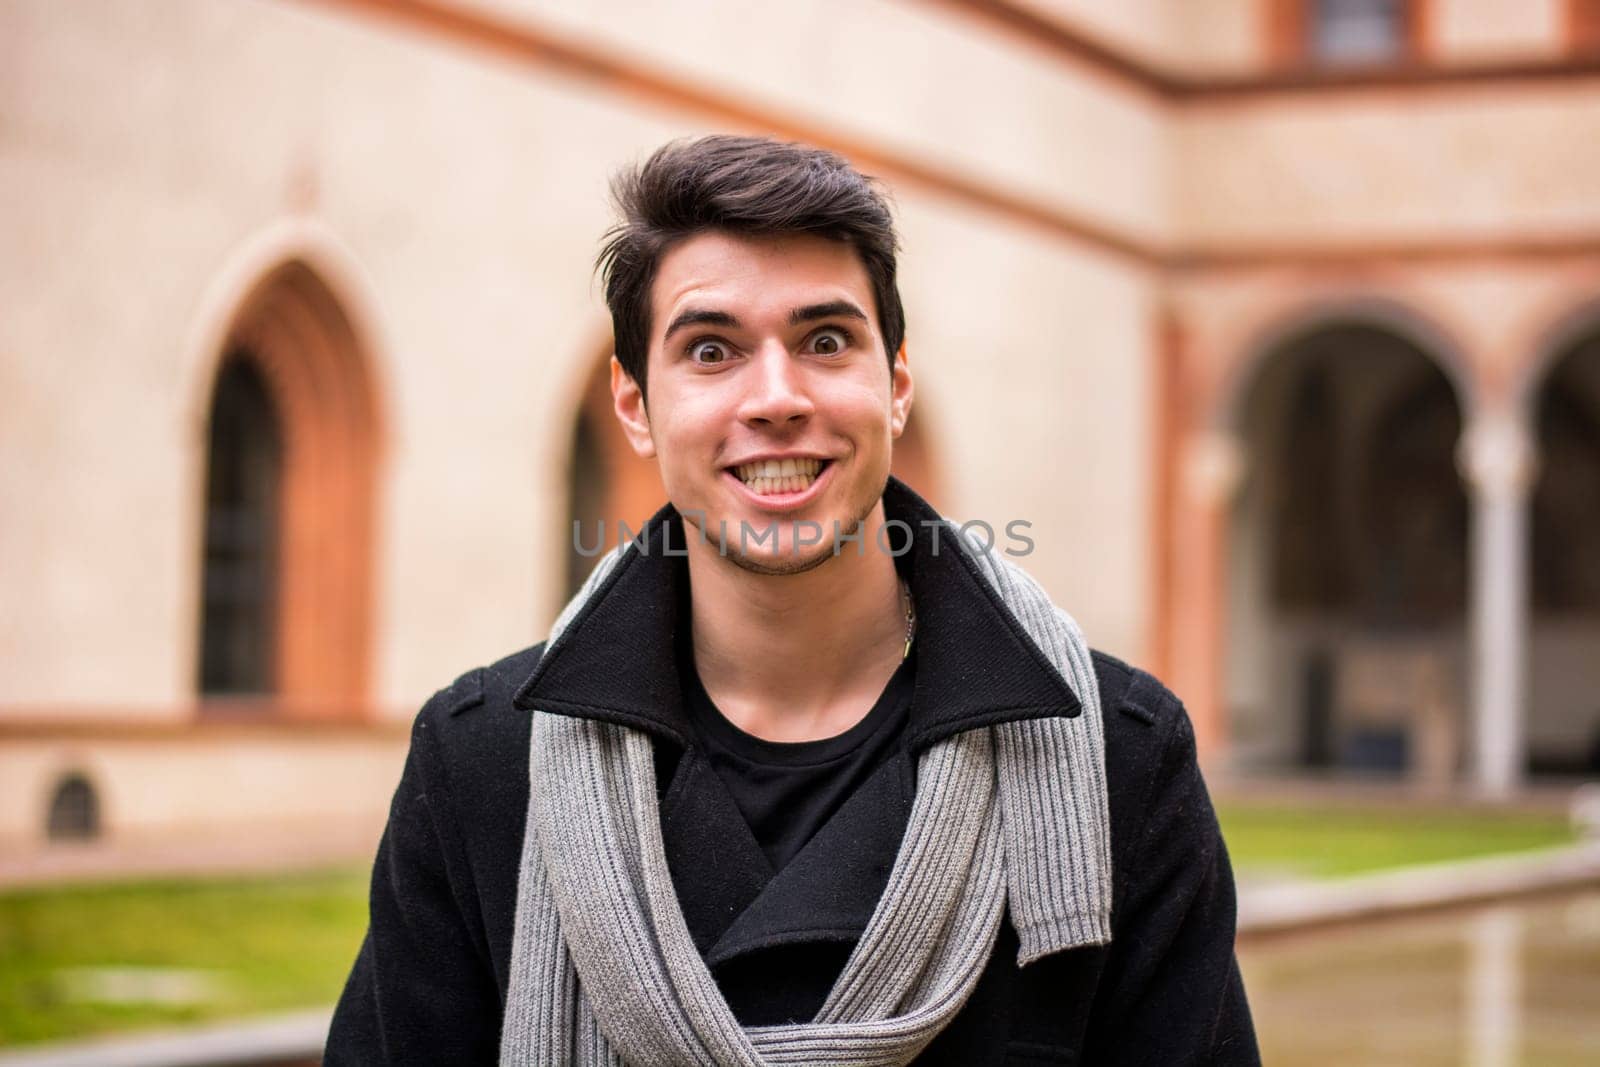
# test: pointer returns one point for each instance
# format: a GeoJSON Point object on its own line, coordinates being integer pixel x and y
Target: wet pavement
{"type": "Point", "coordinates": [1510, 984]}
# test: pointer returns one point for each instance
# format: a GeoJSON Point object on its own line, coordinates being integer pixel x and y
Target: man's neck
{"type": "Point", "coordinates": [797, 657]}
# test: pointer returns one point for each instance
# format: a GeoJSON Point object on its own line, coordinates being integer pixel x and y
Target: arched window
{"type": "Point", "coordinates": [243, 508]}
{"type": "Point", "coordinates": [74, 810]}
{"type": "Point", "coordinates": [289, 499]}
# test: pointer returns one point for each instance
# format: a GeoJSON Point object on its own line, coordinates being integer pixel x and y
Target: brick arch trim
{"type": "Point", "coordinates": [1303, 321]}
{"type": "Point", "coordinates": [1577, 323]}
{"type": "Point", "coordinates": [292, 327]}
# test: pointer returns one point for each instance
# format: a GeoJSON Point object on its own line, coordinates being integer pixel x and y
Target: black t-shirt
{"type": "Point", "coordinates": [788, 790]}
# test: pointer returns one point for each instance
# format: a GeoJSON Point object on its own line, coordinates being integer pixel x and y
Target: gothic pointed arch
{"type": "Point", "coordinates": [293, 446]}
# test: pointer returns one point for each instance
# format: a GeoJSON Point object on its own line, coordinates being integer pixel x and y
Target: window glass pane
{"type": "Point", "coordinates": [240, 578]}
{"type": "Point", "coordinates": [74, 810]}
{"type": "Point", "coordinates": [1357, 31]}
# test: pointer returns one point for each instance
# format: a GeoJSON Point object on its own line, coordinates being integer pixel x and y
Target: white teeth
{"type": "Point", "coordinates": [779, 468]}
{"type": "Point", "coordinates": [779, 475]}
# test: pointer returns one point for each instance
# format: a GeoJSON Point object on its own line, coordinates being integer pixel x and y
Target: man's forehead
{"type": "Point", "coordinates": [760, 273]}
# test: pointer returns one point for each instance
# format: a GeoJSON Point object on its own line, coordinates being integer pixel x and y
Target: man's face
{"type": "Point", "coordinates": [771, 400]}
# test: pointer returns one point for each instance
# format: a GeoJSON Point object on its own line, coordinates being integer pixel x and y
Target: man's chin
{"type": "Point", "coordinates": [770, 546]}
{"type": "Point", "coordinates": [780, 562]}
{"type": "Point", "coordinates": [783, 544]}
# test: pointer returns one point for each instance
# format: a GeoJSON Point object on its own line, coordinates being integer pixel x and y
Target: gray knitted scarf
{"type": "Point", "coordinates": [603, 968]}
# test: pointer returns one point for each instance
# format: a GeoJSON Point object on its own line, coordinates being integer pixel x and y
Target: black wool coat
{"type": "Point", "coordinates": [429, 984]}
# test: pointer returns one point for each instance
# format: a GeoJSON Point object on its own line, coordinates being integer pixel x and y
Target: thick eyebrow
{"type": "Point", "coordinates": [833, 309]}
{"type": "Point", "coordinates": [699, 317]}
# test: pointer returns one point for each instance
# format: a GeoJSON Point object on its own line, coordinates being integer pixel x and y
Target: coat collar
{"type": "Point", "coordinates": [616, 661]}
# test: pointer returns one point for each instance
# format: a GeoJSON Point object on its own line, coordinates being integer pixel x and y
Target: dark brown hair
{"type": "Point", "coordinates": [748, 186]}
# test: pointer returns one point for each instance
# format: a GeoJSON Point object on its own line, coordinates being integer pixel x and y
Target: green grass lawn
{"type": "Point", "coordinates": [1330, 842]}
{"type": "Point", "coordinates": [86, 960]}
{"type": "Point", "coordinates": [77, 961]}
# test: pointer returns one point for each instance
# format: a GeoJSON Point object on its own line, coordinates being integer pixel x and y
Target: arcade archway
{"type": "Point", "coordinates": [1348, 560]}
{"type": "Point", "coordinates": [1563, 674]}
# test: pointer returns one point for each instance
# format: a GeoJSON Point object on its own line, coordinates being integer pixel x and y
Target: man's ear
{"type": "Point", "coordinates": [627, 400]}
{"type": "Point", "coordinates": [901, 391]}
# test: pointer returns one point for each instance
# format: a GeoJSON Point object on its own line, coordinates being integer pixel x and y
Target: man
{"type": "Point", "coordinates": [814, 779]}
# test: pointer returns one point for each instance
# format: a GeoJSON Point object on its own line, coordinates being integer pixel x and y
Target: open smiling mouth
{"type": "Point", "coordinates": [775, 476]}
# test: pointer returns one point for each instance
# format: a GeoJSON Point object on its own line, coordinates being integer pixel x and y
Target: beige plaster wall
{"type": "Point", "coordinates": [1183, 36]}
{"type": "Point", "coordinates": [1142, 27]}
{"type": "Point", "coordinates": [1033, 365]}
{"type": "Point", "coordinates": [1459, 163]}
{"type": "Point", "coordinates": [151, 789]}
{"type": "Point", "coordinates": [152, 164]}
{"type": "Point", "coordinates": [1218, 36]}
{"type": "Point", "coordinates": [1468, 30]}
{"type": "Point", "coordinates": [918, 79]}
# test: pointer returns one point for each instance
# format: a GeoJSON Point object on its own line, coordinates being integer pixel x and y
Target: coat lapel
{"type": "Point", "coordinates": [717, 866]}
{"type": "Point", "coordinates": [830, 889]}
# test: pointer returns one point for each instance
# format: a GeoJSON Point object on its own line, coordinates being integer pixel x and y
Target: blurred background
{"type": "Point", "coordinates": [1279, 321]}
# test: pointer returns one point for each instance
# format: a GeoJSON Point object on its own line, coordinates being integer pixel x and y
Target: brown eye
{"type": "Point", "coordinates": [708, 353]}
{"type": "Point", "coordinates": [829, 342]}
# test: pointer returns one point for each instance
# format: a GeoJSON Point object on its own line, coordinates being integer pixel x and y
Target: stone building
{"type": "Point", "coordinates": [1279, 320]}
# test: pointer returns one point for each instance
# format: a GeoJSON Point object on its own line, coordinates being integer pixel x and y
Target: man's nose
{"type": "Point", "coordinates": [777, 391]}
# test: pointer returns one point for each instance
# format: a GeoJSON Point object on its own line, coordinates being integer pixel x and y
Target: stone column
{"type": "Point", "coordinates": [1211, 469]}
{"type": "Point", "coordinates": [1497, 458]}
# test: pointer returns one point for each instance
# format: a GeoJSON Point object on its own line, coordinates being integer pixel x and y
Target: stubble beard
{"type": "Point", "coordinates": [789, 563]}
